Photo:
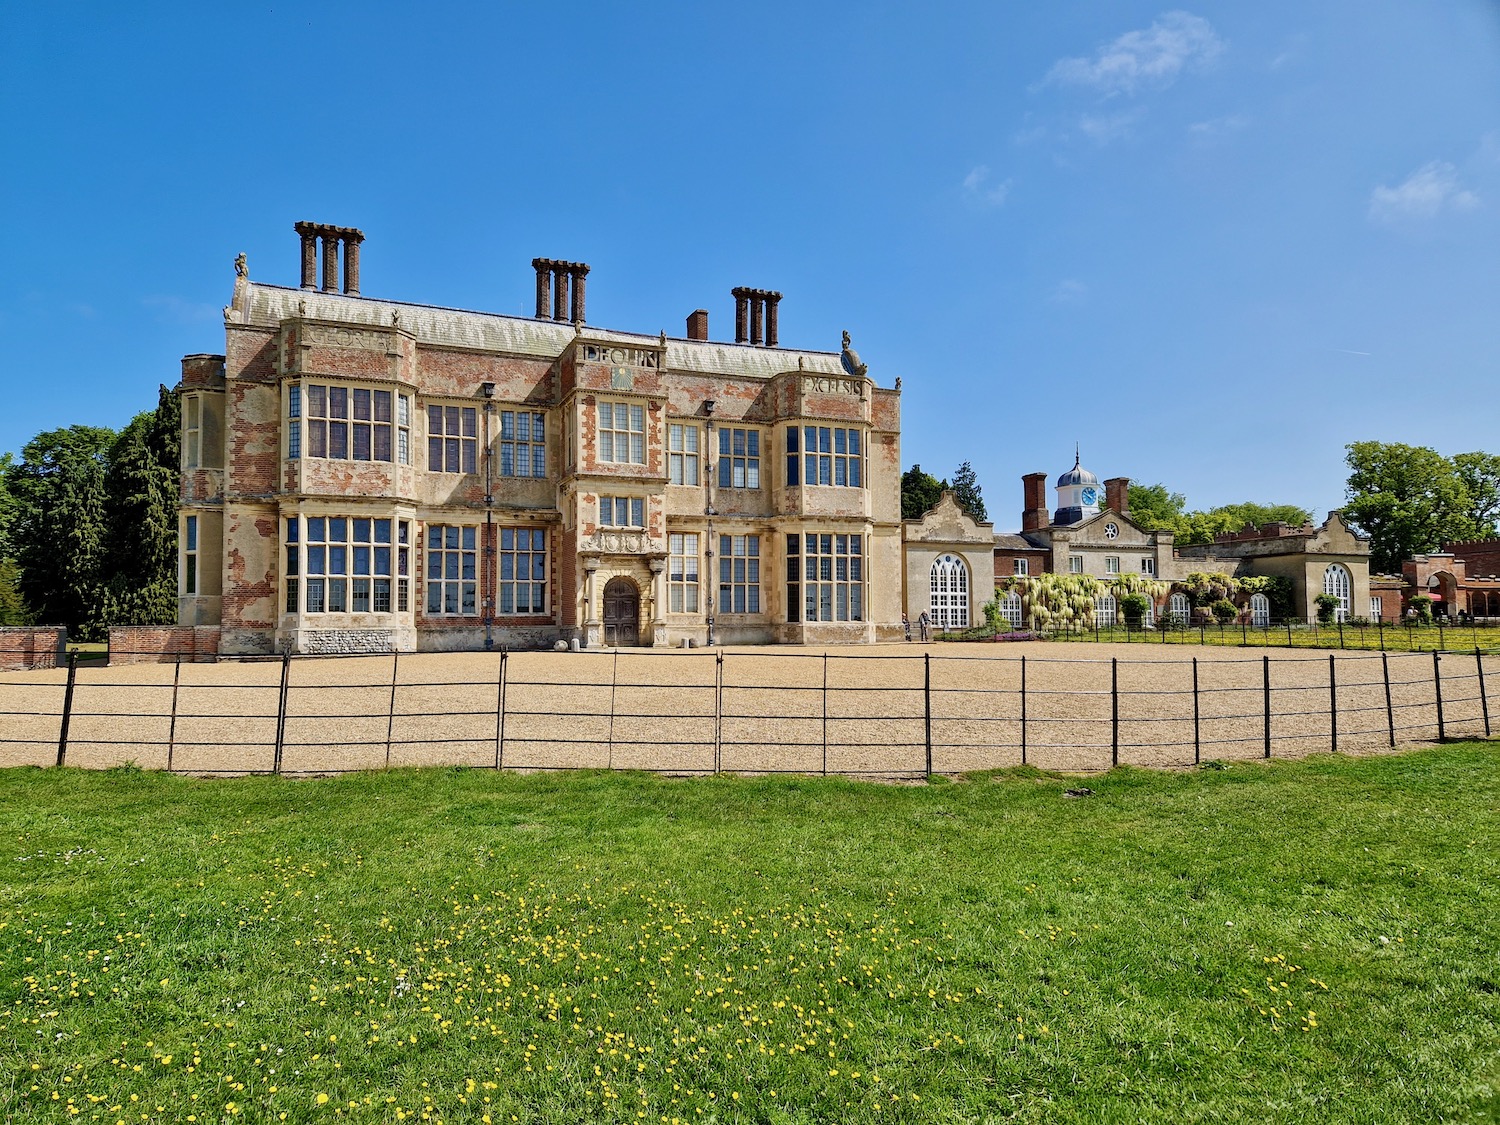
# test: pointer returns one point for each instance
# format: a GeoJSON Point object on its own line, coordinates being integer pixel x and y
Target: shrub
{"type": "Point", "coordinates": [1327, 604]}
{"type": "Point", "coordinates": [1423, 605]}
{"type": "Point", "coordinates": [1225, 610]}
{"type": "Point", "coordinates": [1134, 607]}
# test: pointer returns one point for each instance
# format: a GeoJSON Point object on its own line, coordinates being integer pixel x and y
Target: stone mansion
{"type": "Point", "coordinates": [370, 475]}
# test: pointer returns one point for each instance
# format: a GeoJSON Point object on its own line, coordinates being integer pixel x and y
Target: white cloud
{"type": "Point", "coordinates": [1069, 291]}
{"type": "Point", "coordinates": [1428, 192]}
{"type": "Point", "coordinates": [1105, 127]}
{"type": "Point", "coordinates": [1175, 42]}
{"type": "Point", "coordinates": [1218, 126]}
{"type": "Point", "coordinates": [977, 187]}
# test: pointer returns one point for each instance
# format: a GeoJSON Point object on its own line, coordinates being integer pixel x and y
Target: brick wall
{"type": "Point", "coordinates": [23, 647]}
{"type": "Point", "coordinates": [163, 644]}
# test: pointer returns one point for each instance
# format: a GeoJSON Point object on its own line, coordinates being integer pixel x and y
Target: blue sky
{"type": "Point", "coordinates": [1213, 244]}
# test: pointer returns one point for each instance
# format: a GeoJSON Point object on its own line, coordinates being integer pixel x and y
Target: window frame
{"type": "Point", "coordinates": [684, 572]}
{"type": "Point", "coordinates": [635, 440]}
{"type": "Point", "coordinates": [358, 576]}
{"type": "Point", "coordinates": [823, 458]}
{"type": "Point", "coordinates": [684, 465]}
{"type": "Point", "coordinates": [948, 592]}
{"type": "Point", "coordinates": [739, 573]}
{"type": "Point", "coordinates": [734, 456]}
{"type": "Point", "coordinates": [1022, 568]}
{"type": "Point", "coordinates": [309, 430]}
{"type": "Point", "coordinates": [537, 551]}
{"type": "Point", "coordinates": [192, 432]}
{"type": "Point", "coordinates": [512, 449]}
{"type": "Point", "coordinates": [190, 556]}
{"type": "Point", "coordinates": [457, 452]}
{"type": "Point", "coordinates": [1111, 564]}
{"type": "Point", "coordinates": [631, 505]}
{"type": "Point", "coordinates": [1075, 564]}
{"type": "Point", "coordinates": [463, 553]}
{"type": "Point", "coordinates": [813, 572]}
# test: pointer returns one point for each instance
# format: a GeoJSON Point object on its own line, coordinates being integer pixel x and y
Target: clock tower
{"type": "Point", "coordinates": [1077, 495]}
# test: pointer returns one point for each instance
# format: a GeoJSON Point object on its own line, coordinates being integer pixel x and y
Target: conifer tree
{"type": "Point", "coordinates": [966, 492]}
{"type": "Point", "coordinates": [142, 487]}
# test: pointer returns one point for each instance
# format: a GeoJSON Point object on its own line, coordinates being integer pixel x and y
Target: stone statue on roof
{"type": "Point", "coordinates": [850, 359]}
{"type": "Point", "coordinates": [241, 266]}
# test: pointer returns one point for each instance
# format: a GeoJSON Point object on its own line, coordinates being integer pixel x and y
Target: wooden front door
{"type": "Point", "coordinates": [622, 613]}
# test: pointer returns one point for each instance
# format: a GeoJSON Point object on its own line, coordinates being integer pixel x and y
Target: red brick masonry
{"type": "Point", "coordinates": [163, 644]}
{"type": "Point", "coordinates": [23, 647]}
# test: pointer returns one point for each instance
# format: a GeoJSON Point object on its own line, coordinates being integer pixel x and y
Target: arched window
{"type": "Point", "coordinates": [950, 593]}
{"type": "Point", "coordinates": [1104, 610]}
{"type": "Point", "coordinates": [1010, 609]}
{"type": "Point", "coordinates": [1336, 581]}
{"type": "Point", "coordinates": [1180, 609]}
{"type": "Point", "coordinates": [1148, 618]}
{"type": "Point", "coordinates": [1260, 611]}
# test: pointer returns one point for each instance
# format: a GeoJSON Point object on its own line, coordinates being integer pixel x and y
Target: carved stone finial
{"type": "Point", "coordinates": [395, 318]}
{"type": "Point", "coordinates": [801, 363]}
{"type": "Point", "coordinates": [241, 266]}
{"type": "Point", "coordinates": [849, 360]}
{"type": "Point", "coordinates": [898, 382]}
{"type": "Point", "coordinates": [301, 308]}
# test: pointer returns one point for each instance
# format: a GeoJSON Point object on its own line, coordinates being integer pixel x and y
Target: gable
{"type": "Point", "coordinates": [947, 522]}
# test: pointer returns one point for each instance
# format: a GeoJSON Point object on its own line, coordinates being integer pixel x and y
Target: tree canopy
{"type": "Point", "coordinates": [1154, 507]}
{"type": "Point", "coordinates": [1410, 499]}
{"type": "Point", "coordinates": [966, 492]}
{"type": "Point", "coordinates": [919, 492]}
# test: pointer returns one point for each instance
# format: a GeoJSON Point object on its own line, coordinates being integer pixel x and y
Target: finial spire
{"type": "Point", "coordinates": [1077, 455]}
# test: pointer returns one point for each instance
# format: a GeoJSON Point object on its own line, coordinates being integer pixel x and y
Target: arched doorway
{"type": "Point", "coordinates": [1336, 581]}
{"type": "Point", "coordinates": [622, 613]}
{"type": "Point", "coordinates": [1260, 611]}
{"type": "Point", "coordinates": [950, 593]}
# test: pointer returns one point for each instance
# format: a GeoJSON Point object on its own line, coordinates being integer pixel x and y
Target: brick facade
{"type": "Point", "coordinates": [163, 644]}
{"type": "Point", "coordinates": [375, 464]}
{"type": "Point", "coordinates": [24, 647]}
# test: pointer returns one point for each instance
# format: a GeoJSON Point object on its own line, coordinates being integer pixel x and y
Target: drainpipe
{"type": "Point", "coordinates": [708, 510]}
{"type": "Point", "coordinates": [489, 520]}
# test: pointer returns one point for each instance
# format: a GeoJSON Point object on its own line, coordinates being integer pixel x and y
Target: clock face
{"type": "Point", "coordinates": [1089, 496]}
{"type": "Point", "coordinates": [1111, 530]}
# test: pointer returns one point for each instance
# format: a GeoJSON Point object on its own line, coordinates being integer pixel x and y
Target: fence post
{"type": "Point", "coordinates": [614, 679]}
{"type": "Point", "coordinates": [718, 711]}
{"type": "Point", "coordinates": [1333, 703]}
{"type": "Point", "coordinates": [390, 718]}
{"type": "Point", "coordinates": [1484, 701]}
{"type": "Point", "coordinates": [1197, 743]}
{"type": "Point", "coordinates": [172, 728]}
{"type": "Point", "coordinates": [1440, 633]}
{"type": "Point", "coordinates": [1266, 682]}
{"type": "Point", "coordinates": [1380, 628]}
{"type": "Point", "coordinates": [1390, 714]}
{"type": "Point", "coordinates": [286, 669]}
{"type": "Point", "coordinates": [1288, 632]}
{"type": "Point", "coordinates": [927, 707]}
{"type": "Point", "coordinates": [1341, 633]}
{"type": "Point", "coordinates": [1114, 699]}
{"type": "Point", "coordinates": [1244, 635]}
{"type": "Point", "coordinates": [825, 710]}
{"type": "Point", "coordinates": [1023, 710]}
{"type": "Point", "coordinates": [500, 712]}
{"type": "Point", "coordinates": [67, 713]}
{"type": "Point", "coordinates": [1437, 687]}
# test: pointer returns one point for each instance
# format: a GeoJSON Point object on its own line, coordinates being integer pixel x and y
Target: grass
{"type": "Point", "coordinates": [1366, 638]}
{"type": "Point", "coordinates": [1303, 941]}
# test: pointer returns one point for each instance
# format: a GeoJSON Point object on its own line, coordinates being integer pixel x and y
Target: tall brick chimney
{"type": "Point", "coordinates": [1117, 495]}
{"type": "Point", "coordinates": [350, 237]}
{"type": "Point", "coordinates": [555, 280]}
{"type": "Point", "coordinates": [1034, 501]}
{"type": "Point", "coordinates": [697, 324]}
{"type": "Point", "coordinates": [755, 316]}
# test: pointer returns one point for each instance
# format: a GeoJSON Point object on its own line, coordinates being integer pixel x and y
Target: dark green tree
{"type": "Point", "coordinates": [919, 492]}
{"type": "Point", "coordinates": [12, 606]}
{"type": "Point", "coordinates": [1480, 473]}
{"type": "Point", "coordinates": [966, 492]}
{"type": "Point", "coordinates": [1156, 509]}
{"type": "Point", "coordinates": [142, 487]}
{"type": "Point", "coordinates": [1407, 499]}
{"type": "Point", "coordinates": [58, 530]}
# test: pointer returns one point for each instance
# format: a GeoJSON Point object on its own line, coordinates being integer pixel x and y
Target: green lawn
{"type": "Point", "coordinates": [1368, 638]}
{"type": "Point", "coordinates": [1301, 941]}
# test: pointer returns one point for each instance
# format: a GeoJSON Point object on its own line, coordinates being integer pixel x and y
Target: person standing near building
{"type": "Point", "coordinates": [923, 621]}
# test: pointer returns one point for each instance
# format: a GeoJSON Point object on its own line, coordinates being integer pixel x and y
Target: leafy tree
{"type": "Point", "coordinates": [1480, 473]}
{"type": "Point", "coordinates": [966, 491]}
{"type": "Point", "coordinates": [59, 530]}
{"type": "Point", "coordinates": [7, 504]}
{"type": "Point", "coordinates": [12, 606]}
{"type": "Point", "coordinates": [142, 487]}
{"type": "Point", "coordinates": [1156, 509]}
{"type": "Point", "coordinates": [920, 492]}
{"type": "Point", "coordinates": [1407, 499]}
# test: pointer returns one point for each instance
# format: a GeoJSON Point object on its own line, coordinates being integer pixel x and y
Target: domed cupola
{"type": "Point", "coordinates": [1077, 495]}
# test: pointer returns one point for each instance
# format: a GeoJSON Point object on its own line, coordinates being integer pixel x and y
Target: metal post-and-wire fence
{"type": "Point", "coordinates": [866, 714]}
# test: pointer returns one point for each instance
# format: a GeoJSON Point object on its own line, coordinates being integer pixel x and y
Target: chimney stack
{"type": "Point", "coordinates": [758, 307]}
{"type": "Point", "coordinates": [556, 281]}
{"type": "Point", "coordinates": [1117, 495]}
{"type": "Point", "coordinates": [697, 324]}
{"type": "Point", "coordinates": [1034, 502]}
{"type": "Point", "coordinates": [331, 236]}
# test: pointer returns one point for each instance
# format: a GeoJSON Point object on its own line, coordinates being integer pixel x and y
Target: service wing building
{"type": "Point", "coordinates": [364, 475]}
